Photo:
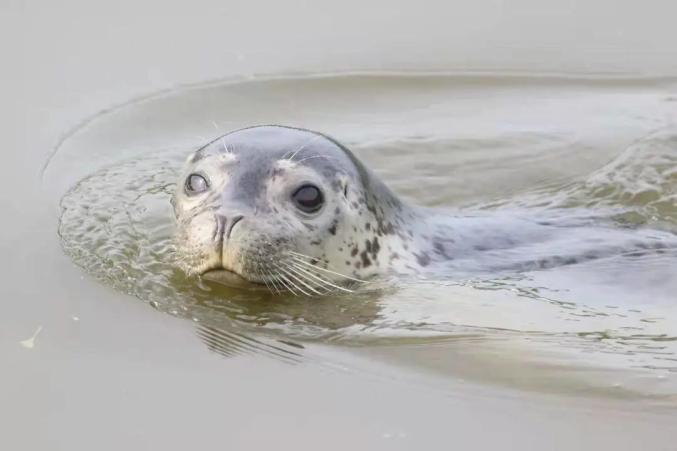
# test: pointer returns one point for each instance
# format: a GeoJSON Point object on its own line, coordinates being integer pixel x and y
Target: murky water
{"type": "Point", "coordinates": [561, 149]}
{"type": "Point", "coordinates": [567, 358]}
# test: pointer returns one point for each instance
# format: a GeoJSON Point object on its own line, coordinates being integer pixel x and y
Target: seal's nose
{"type": "Point", "coordinates": [224, 225]}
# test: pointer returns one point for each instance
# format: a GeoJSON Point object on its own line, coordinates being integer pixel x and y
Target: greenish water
{"type": "Point", "coordinates": [86, 366]}
{"type": "Point", "coordinates": [544, 146]}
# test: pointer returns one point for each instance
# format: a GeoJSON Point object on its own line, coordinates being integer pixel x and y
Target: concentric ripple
{"type": "Point", "coordinates": [116, 220]}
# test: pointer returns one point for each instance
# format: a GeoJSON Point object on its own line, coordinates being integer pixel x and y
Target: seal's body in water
{"type": "Point", "coordinates": [295, 210]}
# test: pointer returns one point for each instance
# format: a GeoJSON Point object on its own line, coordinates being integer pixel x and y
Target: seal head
{"type": "Point", "coordinates": [284, 207]}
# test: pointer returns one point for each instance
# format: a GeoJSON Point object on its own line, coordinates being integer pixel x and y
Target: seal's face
{"type": "Point", "coordinates": [272, 205]}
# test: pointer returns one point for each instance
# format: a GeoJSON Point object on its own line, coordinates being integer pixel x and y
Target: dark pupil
{"type": "Point", "coordinates": [308, 198]}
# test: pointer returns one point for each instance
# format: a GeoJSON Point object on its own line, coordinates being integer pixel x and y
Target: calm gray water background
{"type": "Point", "coordinates": [105, 371]}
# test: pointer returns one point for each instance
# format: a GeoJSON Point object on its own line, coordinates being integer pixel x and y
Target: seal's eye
{"type": "Point", "coordinates": [308, 198]}
{"type": "Point", "coordinates": [195, 184]}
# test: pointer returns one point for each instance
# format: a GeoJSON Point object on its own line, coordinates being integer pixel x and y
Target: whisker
{"type": "Point", "coordinates": [320, 279]}
{"type": "Point", "coordinates": [303, 146]}
{"type": "Point", "coordinates": [274, 279]}
{"type": "Point", "coordinates": [286, 285]}
{"type": "Point", "coordinates": [267, 285]}
{"type": "Point", "coordinates": [307, 277]}
{"type": "Point", "coordinates": [266, 279]}
{"type": "Point", "coordinates": [300, 260]}
{"type": "Point", "coordinates": [316, 156]}
{"type": "Point", "coordinates": [225, 146]}
{"type": "Point", "coordinates": [291, 282]}
{"type": "Point", "coordinates": [292, 278]}
{"type": "Point", "coordinates": [273, 282]}
{"type": "Point", "coordinates": [262, 277]}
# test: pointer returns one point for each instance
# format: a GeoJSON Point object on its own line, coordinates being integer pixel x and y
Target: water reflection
{"type": "Point", "coordinates": [230, 344]}
{"type": "Point", "coordinates": [617, 312]}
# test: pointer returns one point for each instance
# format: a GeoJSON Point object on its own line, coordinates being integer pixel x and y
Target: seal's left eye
{"type": "Point", "coordinates": [195, 183]}
{"type": "Point", "coordinates": [308, 198]}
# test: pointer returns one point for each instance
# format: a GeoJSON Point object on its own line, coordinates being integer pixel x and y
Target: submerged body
{"type": "Point", "coordinates": [294, 210]}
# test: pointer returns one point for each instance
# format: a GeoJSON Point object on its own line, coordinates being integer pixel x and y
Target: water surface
{"type": "Point", "coordinates": [86, 366]}
{"type": "Point", "coordinates": [560, 149]}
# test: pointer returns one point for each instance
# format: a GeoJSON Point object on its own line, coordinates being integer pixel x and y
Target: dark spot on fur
{"type": "Point", "coordinates": [333, 227]}
{"type": "Point", "coordinates": [365, 259]}
{"type": "Point", "coordinates": [385, 228]}
{"type": "Point", "coordinates": [423, 259]}
{"type": "Point", "coordinates": [569, 261]}
{"type": "Point", "coordinates": [367, 226]}
{"type": "Point", "coordinates": [354, 251]}
{"type": "Point", "coordinates": [440, 250]}
{"type": "Point", "coordinates": [375, 248]}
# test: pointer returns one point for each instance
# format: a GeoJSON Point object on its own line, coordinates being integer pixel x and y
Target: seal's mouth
{"type": "Point", "coordinates": [230, 279]}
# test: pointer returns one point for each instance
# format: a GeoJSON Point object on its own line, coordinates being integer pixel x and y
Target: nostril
{"type": "Point", "coordinates": [234, 220]}
{"type": "Point", "coordinates": [220, 227]}
{"type": "Point", "coordinates": [224, 226]}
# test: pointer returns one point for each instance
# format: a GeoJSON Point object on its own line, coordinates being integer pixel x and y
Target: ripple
{"type": "Point", "coordinates": [116, 174]}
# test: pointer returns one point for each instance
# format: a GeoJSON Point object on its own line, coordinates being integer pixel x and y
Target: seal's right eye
{"type": "Point", "coordinates": [195, 184]}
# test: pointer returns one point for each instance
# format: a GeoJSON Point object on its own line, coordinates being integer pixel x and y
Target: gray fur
{"type": "Point", "coordinates": [363, 229]}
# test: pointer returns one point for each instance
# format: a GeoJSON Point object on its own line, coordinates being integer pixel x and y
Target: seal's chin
{"type": "Point", "coordinates": [231, 279]}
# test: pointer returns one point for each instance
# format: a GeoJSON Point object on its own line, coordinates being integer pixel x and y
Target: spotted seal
{"type": "Point", "coordinates": [289, 208]}
{"type": "Point", "coordinates": [294, 210]}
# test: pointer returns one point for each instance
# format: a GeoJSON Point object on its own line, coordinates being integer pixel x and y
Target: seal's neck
{"type": "Point", "coordinates": [400, 238]}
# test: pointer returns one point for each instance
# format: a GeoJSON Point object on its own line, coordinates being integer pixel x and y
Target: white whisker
{"type": "Point", "coordinates": [320, 279]}
{"type": "Point", "coordinates": [278, 283]}
{"type": "Point", "coordinates": [284, 283]}
{"type": "Point", "coordinates": [294, 278]}
{"type": "Point", "coordinates": [269, 282]}
{"type": "Point", "coordinates": [303, 146]}
{"type": "Point", "coordinates": [315, 156]}
{"type": "Point", "coordinates": [291, 282]}
{"type": "Point", "coordinates": [295, 256]}
{"type": "Point", "coordinates": [261, 276]}
{"type": "Point", "coordinates": [225, 146]}
{"type": "Point", "coordinates": [308, 277]}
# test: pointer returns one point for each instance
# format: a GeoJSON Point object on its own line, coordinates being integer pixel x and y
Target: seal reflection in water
{"type": "Point", "coordinates": [293, 210]}
{"type": "Point", "coordinates": [287, 208]}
